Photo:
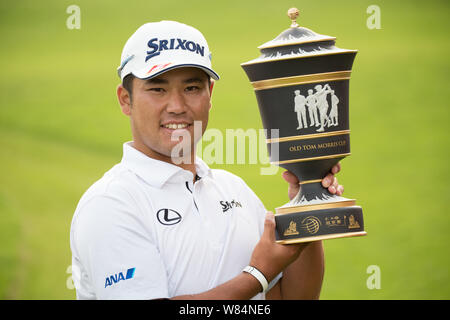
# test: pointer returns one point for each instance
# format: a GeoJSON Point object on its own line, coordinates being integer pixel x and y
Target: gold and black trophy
{"type": "Point", "coordinates": [301, 82]}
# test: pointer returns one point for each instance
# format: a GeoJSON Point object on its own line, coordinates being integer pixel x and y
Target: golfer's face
{"type": "Point", "coordinates": [167, 106]}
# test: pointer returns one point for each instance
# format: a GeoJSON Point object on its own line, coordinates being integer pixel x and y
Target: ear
{"type": "Point", "coordinates": [124, 99]}
{"type": "Point", "coordinates": [211, 86]}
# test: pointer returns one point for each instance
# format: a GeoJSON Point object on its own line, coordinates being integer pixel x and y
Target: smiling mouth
{"type": "Point", "coordinates": [174, 126]}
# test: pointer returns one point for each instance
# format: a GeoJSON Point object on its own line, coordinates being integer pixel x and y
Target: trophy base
{"type": "Point", "coordinates": [319, 221]}
{"type": "Point", "coordinates": [324, 237]}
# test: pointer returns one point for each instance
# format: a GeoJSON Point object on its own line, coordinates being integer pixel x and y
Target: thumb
{"type": "Point", "coordinates": [294, 186]}
{"type": "Point", "coordinates": [269, 227]}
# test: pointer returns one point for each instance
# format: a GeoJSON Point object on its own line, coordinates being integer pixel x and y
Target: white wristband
{"type": "Point", "coordinates": [258, 275]}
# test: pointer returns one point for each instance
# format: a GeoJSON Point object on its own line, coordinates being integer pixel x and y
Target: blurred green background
{"type": "Point", "coordinates": [61, 129]}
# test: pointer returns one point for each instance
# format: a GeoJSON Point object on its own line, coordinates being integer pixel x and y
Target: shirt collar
{"type": "Point", "coordinates": [156, 172]}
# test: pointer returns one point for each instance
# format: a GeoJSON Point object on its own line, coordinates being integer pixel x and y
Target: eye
{"type": "Point", "coordinates": [192, 88]}
{"type": "Point", "coordinates": [157, 90]}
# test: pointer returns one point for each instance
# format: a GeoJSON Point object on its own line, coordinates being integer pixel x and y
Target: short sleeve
{"type": "Point", "coordinates": [115, 248]}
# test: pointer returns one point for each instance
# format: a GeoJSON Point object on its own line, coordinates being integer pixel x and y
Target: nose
{"type": "Point", "coordinates": [176, 103]}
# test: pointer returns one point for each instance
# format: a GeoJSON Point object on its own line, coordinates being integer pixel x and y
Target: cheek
{"type": "Point", "coordinates": [144, 121]}
{"type": "Point", "coordinates": [206, 113]}
{"type": "Point", "coordinates": [142, 109]}
{"type": "Point", "coordinates": [202, 109]}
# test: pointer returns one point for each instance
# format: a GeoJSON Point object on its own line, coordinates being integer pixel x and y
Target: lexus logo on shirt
{"type": "Point", "coordinates": [168, 217]}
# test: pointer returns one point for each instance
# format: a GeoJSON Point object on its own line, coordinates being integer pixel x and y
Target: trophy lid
{"type": "Point", "coordinates": [297, 42]}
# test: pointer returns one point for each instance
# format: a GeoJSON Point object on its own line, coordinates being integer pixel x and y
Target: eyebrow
{"type": "Point", "coordinates": [193, 80]}
{"type": "Point", "coordinates": [156, 81]}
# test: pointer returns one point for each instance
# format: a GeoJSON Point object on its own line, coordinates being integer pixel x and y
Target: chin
{"type": "Point", "coordinates": [175, 150]}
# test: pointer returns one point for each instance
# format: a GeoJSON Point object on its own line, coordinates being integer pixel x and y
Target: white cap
{"type": "Point", "coordinates": [157, 47]}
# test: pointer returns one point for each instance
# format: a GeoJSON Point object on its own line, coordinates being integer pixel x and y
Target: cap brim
{"type": "Point", "coordinates": [145, 75]}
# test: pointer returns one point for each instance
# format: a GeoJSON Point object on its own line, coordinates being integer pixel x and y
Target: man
{"type": "Point", "coordinates": [334, 109]}
{"type": "Point", "coordinates": [322, 105]}
{"type": "Point", "coordinates": [311, 102]}
{"type": "Point", "coordinates": [154, 227]}
{"type": "Point", "coordinates": [300, 109]}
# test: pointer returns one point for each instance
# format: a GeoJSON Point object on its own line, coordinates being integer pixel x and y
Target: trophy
{"type": "Point", "coordinates": [301, 83]}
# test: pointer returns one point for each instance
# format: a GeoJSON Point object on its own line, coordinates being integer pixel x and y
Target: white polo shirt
{"type": "Point", "coordinates": [146, 231]}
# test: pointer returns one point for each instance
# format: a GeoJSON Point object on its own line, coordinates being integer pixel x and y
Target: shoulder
{"type": "Point", "coordinates": [112, 196]}
{"type": "Point", "coordinates": [116, 184]}
{"type": "Point", "coordinates": [224, 176]}
{"type": "Point", "coordinates": [109, 208]}
{"type": "Point", "coordinates": [233, 183]}
{"type": "Point", "coordinates": [238, 191]}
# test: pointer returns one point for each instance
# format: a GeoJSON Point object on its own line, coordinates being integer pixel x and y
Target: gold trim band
{"type": "Point", "coordinates": [313, 207]}
{"type": "Point", "coordinates": [309, 78]}
{"type": "Point", "coordinates": [310, 159]}
{"type": "Point", "coordinates": [323, 237]}
{"type": "Point", "coordinates": [308, 136]}
{"type": "Point", "coordinates": [310, 181]}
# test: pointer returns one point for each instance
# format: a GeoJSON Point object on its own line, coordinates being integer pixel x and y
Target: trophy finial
{"type": "Point", "coordinates": [293, 14]}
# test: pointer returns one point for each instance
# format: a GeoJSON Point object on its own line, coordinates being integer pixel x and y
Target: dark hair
{"type": "Point", "coordinates": [127, 83]}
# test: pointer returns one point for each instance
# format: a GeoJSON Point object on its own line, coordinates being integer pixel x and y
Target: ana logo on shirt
{"type": "Point", "coordinates": [119, 276]}
{"type": "Point", "coordinates": [226, 205]}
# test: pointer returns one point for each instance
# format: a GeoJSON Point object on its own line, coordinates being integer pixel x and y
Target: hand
{"type": "Point", "coordinates": [269, 257]}
{"type": "Point", "coordinates": [330, 182]}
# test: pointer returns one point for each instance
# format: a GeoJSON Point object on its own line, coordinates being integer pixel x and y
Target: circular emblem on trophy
{"type": "Point", "coordinates": [311, 224]}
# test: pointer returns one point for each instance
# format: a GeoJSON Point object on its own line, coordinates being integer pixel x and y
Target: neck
{"type": "Point", "coordinates": [187, 162]}
{"type": "Point", "coordinates": [190, 166]}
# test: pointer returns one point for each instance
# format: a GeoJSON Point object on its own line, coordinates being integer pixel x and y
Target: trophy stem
{"type": "Point", "coordinates": [313, 191]}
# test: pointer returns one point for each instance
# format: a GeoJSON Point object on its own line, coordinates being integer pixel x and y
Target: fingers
{"type": "Point", "coordinates": [290, 177]}
{"type": "Point", "coordinates": [328, 180]}
{"type": "Point", "coordinates": [294, 186]}
{"type": "Point", "coordinates": [331, 183]}
{"type": "Point", "coordinates": [269, 227]}
{"type": "Point", "coordinates": [336, 168]}
{"type": "Point", "coordinates": [334, 185]}
{"type": "Point", "coordinates": [340, 190]}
